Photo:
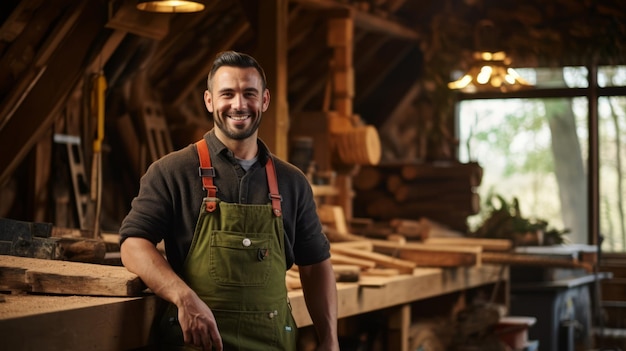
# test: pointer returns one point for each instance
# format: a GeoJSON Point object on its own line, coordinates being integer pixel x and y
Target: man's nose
{"type": "Point", "coordinates": [238, 102]}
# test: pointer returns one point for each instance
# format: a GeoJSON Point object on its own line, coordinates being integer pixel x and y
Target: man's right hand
{"type": "Point", "coordinates": [141, 257]}
{"type": "Point", "coordinates": [198, 324]}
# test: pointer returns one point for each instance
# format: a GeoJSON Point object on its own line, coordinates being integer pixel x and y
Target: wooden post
{"type": "Point", "coordinates": [398, 327]}
{"type": "Point", "coordinates": [272, 56]}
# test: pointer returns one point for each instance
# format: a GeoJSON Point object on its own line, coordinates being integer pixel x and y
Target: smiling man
{"type": "Point", "coordinates": [230, 231]}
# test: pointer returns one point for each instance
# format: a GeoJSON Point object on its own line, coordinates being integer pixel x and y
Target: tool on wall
{"type": "Point", "coordinates": [99, 87]}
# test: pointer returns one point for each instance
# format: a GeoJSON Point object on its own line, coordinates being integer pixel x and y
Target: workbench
{"type": "Point", "coordinates": [45, 322]}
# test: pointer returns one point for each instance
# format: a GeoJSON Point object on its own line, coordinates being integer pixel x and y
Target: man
{"type": "Point", "coordinates": [225, 279]}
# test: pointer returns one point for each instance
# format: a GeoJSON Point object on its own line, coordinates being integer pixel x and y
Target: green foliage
{"type": "Point", "coordinates": [505, 221]}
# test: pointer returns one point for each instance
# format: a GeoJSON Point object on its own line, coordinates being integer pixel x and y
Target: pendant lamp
{"type": "Point", "coordinates": [170, 6]}
{"type": "Point", "coordinates": [491, 69]}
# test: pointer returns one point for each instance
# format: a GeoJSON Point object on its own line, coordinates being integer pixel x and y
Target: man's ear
{"type": "Point", "coordinates": [208, 101]}
{"type": "Point", "coordinates": [266, 99]}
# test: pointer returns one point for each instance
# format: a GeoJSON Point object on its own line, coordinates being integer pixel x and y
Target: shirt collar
{"type": "Point", "coordinates": [217, 147]}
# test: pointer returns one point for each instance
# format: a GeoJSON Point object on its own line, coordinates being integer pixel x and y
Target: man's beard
{"type": "Point", "coordinates": [234, 133]}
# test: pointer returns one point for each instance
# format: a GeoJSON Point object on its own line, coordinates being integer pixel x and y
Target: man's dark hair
{"type": "Point", "coordinates": [235, 59]}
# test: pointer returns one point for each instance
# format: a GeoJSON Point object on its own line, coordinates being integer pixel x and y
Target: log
{"type": "Point", "coordinates": [368, 178]}
{"type": "Point", "coordinates": [444, 170]}
{"type": "Point", "coordinates": [387, 208]}
{"type": "Point", "coordinates": [67, 278]}
{"type": "Point", "coordinates": [430, 190]}
{"type": "Point", "coordinates": [393, 183]}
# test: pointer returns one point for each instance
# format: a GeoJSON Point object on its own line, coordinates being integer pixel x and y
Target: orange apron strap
{"type": "Point", "coordinates": [273, 185]}
{"type": "Point", "coordinates": [207, 173]}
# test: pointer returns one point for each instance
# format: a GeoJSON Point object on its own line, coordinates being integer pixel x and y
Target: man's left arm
{"type": "Point", "coordinates": [320, 295]}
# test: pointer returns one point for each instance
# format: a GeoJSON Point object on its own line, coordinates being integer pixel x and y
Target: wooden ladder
{"type": "Point", "coordinates": [157, 133]}
{"type": "Point", "coordinates": [80, 184]}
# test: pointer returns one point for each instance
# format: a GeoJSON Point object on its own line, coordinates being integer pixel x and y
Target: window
{"type": "Point", "coordinates": [536, 149]}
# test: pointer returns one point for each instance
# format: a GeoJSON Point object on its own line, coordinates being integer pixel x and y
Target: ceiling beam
{"type": "Point", "coordinates": [366, 21]}
{"type": "Point", "coordinates": [65, 68]}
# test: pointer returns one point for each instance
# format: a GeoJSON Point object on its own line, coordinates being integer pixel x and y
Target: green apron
{"type": "Point", "coordinates": [236, 265]}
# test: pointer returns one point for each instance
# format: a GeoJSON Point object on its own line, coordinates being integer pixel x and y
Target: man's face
{"type": "Point", "coordinates": [237, 101]}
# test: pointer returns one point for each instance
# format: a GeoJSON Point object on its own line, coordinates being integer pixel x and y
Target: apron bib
{"type": "Point", "coordinates": [236, 265]}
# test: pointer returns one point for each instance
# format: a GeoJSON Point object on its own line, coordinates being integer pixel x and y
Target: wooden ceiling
{"type": "Point", "coordinates": [49, 47]}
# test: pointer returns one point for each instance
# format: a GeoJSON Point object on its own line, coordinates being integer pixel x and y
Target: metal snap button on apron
{"type": "Point", "coordinates": [273, 314]}
{"type": "Point", "coordinates": [246, 242]}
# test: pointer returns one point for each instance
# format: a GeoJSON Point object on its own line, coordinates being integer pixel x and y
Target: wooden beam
{"type": "Point", "coordinates": [65, 68]}
{"type": "Point", "coordinates": [272, 55]}
{"type": "Point", "coordinates": [367, 21]}
{"type": "Point", "coordinates": [67, 278]}
{"type": "Point", "coordinates": [376, 76]}
{"type": "Point", "coordinates": [43, 19]}
{"type": "Point", "coordinates": [185, 83]}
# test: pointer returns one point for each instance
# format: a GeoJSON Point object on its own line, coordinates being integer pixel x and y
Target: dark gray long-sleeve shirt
{"type": "Point", "coordinates": [170, 195]}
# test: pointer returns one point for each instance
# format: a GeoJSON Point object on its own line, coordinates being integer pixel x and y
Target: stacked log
{"type": "Point", "coordinates": [444, 192]}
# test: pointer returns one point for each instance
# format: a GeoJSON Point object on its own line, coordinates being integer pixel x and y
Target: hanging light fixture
{"type": "Point", "coordinates": [491, 70]}
{"type": "Point", "coordinates": [170, 6]}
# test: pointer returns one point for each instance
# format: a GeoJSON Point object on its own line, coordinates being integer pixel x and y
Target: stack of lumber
{"type": "Point", "coordinates": [370, 261]}
{"type": "Point", "coordinates": [406, 245]}
{"type": "Point", "coordinates": [444, 192]}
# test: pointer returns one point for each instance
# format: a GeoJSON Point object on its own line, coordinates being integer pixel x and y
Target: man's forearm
{"type": "Point", "coordinates": [320, 294]}
{"type": "Point", "coordinates": [142, 258]}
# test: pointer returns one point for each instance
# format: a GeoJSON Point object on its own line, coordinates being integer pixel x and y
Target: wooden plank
{"type": "Point", "coordinates": [431, 255]}
{"type": "Point", "coordinates": [347, 300]}
{"type": "Point", "coordinates": [380, 272]}
{"type": "Point", "coordinates": [486, 244]}
{"type": "Point", "coordinates": [440, 259]}
{"type": "Point", "coordinates": [333, 216]}
{"type": "Point", "coordinates": [337, 258]}
{"type": "Point", "coordinates": [43, 322]}
{"type": "Point", "coordinates": [67, 278]}
{"type": "Point", "coordinates": [403, 266]}
{"type": "Point", "coordinates": [357, 244]}
{"type": "Point", "coordinates": [534, 260]}
{"type": "Point", "coordinates": [126, 18]}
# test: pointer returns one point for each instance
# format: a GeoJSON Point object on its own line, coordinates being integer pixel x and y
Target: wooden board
{"type": "Point", "coordinates": [403, 266]}
{"type": "Point", "coordinates": [427, 255]}
{"type": "Point", "coordinates": [487, 244]}
{"type": "Point", "coordinates": [67, 278]}
{"type": "Point", "coordinates": [337, 258]}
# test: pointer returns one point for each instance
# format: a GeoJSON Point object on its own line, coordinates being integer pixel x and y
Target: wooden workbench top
{"type": "Point", "coordinates": [107, 323]}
